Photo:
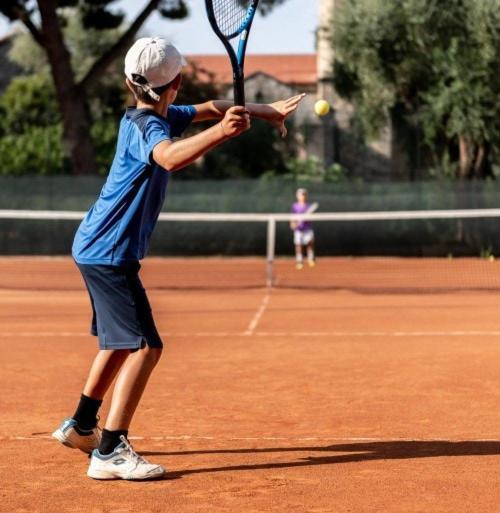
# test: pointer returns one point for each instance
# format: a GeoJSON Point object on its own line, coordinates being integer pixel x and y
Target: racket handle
{"type": "Point", "coordinates": [239, 90]}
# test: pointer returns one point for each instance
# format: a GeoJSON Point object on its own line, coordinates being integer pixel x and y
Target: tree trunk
{"type": "Point", "coordinates": [465, 157]}
{"type": "Point", "coordinates": [481, 161]}
{"type": "Point", "coordinates": [77, 143]}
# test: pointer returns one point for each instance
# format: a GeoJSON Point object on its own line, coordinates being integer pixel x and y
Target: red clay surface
{"type": "Point", "coordinates": [362, 397]}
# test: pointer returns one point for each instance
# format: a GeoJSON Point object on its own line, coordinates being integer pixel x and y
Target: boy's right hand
{"type": "Point", "coordinates": [235, 121]}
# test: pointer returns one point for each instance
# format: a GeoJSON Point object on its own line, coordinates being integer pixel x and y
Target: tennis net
{"type": "Point", "coordinates": [416, 250]}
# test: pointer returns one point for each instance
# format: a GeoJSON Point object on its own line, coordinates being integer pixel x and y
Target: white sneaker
{"type": "Point", "coordinates": [123, 463]}
{"type": "Point", "coordinates": [86, 441]}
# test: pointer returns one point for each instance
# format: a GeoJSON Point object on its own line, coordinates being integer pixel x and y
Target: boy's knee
{"type": "Point", "coordinates": [152, 354]}
{"type": "Point", "coordinates": [157, 352]}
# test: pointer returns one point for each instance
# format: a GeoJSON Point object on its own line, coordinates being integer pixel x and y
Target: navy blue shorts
{"type": "Point", "coordinates": [121, 313]}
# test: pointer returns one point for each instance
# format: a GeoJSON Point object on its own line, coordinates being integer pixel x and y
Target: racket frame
{"type": "Point", "coordinates": [237, 58]}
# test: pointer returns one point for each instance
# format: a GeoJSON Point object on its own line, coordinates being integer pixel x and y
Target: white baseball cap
{"type": "Point", "coordinates": [152, 62]}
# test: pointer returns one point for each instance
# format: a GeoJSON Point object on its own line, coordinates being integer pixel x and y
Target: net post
{"type": "Point", "coordinates": [271, 243]}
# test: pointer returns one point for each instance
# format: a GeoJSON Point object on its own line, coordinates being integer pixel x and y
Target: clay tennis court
{"type": "Point", "coordinates": [358, 386]}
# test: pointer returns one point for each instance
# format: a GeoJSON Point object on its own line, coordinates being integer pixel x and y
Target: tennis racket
{"type": "Point", "coordinates": [312, 208]}
{"type": "Point", "coordinates": [230, 19]}
{"type": "Point", "coordinates": [300, 217]}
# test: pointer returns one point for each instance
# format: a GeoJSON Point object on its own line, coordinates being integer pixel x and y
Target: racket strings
{"type": "Point", "coordinates": [230, 15]}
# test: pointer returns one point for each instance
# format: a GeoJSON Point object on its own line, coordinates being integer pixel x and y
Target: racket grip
{"type": "Point", "coordinates": [239, 90]}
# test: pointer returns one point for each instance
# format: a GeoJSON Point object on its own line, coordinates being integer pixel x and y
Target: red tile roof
{"type": "Point", "coordinates": [287, 68]}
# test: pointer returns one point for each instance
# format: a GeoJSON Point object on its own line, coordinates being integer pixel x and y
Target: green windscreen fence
{"type": "Point", "coordinates": [395, 237]}
{"type": "Point", "coordinates": [78, 193]}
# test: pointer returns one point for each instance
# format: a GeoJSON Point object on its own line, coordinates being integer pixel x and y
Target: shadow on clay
{"type": "Point", "coordinates": [350, 453]}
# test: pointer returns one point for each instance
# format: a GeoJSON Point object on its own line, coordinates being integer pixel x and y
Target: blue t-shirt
{"type": "Point", "coordinates": [118, 227]}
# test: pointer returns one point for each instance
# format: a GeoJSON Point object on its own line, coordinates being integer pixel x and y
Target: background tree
{"type": "Point", "coordinates": [72, 89]}
{"type": "Point", "coordinates": [29, 115]}
{"type": "Point", "coordinates": [435, 66]}
{"type": "Point", "coordinates": [30, 129]}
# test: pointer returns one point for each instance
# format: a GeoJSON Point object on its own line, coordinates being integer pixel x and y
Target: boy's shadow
{"type": "Point", "coordinates": [350, 453]}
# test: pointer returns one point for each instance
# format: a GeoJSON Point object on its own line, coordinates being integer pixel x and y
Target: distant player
{"type": "Point", "coordinates": [114, 236]}
{"type": "Point", "coordinates": [303, 234]}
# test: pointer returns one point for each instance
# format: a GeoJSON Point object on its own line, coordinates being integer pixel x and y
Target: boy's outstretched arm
{"type": "Point", "coordinates": [275, 113]}
{"type": "Point", "coordinates": [176, 155]}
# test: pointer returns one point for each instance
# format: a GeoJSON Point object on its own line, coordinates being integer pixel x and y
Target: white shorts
{"type": "Point", "coordinates": [303, 238]}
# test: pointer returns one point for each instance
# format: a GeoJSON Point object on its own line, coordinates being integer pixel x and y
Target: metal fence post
{"type": "Point", "coordinates": [271, 244]}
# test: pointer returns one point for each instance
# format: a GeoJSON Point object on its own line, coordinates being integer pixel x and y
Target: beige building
{"type": "Point", "coordinates": [273, 77]}
{"type": "Point", "coordinates": [267, 77]}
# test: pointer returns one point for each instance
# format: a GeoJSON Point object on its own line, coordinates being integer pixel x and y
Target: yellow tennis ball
{"type": "Point", "coordinates": [322, 107]}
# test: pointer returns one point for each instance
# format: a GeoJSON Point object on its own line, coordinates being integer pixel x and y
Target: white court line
{"type": "Point", "coordinates": [255, 321]}
{"type": "Point", "coordinates": [14, 334]}
{"type": "Point", "coordinates": [289, 334]}
{"type": "Point", "coordinates": [380, 334]}
{"type": "Point", "coordinates": [278, 438]}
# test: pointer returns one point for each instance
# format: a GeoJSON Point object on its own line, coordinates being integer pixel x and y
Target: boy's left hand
{"type": "Point", "coordinates": [281, 110]}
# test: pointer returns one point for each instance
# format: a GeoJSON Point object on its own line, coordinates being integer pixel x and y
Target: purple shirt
{"type": "Point", "coordinates": [301, 208]}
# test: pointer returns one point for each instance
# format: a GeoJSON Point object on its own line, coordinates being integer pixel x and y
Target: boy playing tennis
{"type": "Point", "coordinates": [303, 234]}
{"type": "Point", "coordinates": [114, 236]}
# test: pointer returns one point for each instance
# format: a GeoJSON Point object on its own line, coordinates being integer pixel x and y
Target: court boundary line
{"type": "Point", "coordinates": [263, 334]}
{"type": "Point", "coordinates": [368, 439]}
{"type": "Point", "coordinates": [258, 315]}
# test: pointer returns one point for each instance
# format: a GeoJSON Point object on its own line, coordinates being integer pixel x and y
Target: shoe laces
{"type": "Point", "coordinates": [136, 458]}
